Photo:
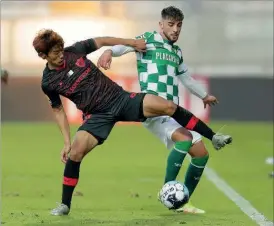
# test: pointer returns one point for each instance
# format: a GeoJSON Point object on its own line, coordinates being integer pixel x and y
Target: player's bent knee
{"type": "Point", "coordinates": [198, 150]}
{"type": "Point", "coordinates": [181, 134]}
{"type": "Point", "coordinates": [170, 108]}
{"type": "Point", "coordinates": [77, 155]}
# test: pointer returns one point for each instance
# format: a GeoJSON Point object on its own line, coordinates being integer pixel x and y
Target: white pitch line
{"type": "Point", "coordinates": [241, 202]}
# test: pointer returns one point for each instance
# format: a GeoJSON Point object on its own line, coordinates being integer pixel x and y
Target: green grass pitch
{"type": "Point", "coordinates": [120, 179]}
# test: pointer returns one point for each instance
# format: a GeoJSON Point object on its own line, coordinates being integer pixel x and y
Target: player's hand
{"type": "Point", "coordinates": [105, 60]}
{"type": "Point", "coordinates": [4, 76]}
{"type": "Point", "coordinates": [139, 45]}
{"type": "Point", "coordinates": [210, 100]}
{"type": "Point", "coordinates": [65, 153]}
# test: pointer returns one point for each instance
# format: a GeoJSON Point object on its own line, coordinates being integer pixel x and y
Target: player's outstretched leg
{"type": "Point", "coordinates": [156, 106]}
{"type": "Point", "coordinates": [82, 144]}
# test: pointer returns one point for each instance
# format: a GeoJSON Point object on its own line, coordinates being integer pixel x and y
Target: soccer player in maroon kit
{"type": "Point", "coordinates": [70, 74]}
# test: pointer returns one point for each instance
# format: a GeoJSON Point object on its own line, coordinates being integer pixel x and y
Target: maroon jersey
{"type": "Point", "coordinates": [80, 81]}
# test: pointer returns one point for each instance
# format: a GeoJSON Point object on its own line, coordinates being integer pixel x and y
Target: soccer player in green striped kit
{"type": "Point", "coordinates": [160, 69]}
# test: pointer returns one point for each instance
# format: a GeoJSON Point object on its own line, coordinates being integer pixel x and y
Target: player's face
{"type": "Point", "coordinates": [171, 29]}
{"type": "Point", "coordinates": [55, 56]}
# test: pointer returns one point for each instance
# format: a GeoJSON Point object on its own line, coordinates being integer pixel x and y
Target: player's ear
{"type": "Point", "coordinates": [161, 24]}
{"type": "Point", "coordinates": [42, 55]}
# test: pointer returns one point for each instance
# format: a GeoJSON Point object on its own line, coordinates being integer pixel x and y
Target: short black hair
{"type": "Point", "coordinates": [172, 12]}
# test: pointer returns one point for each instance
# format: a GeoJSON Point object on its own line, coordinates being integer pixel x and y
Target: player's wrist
{"type": "Point", "coordinates": [131, 43]}
{"type": "Point", "coordinates": [109, 51]}
{"type": "Point", "coordinates": [206, 95]}
{"type": "Point", "coordinates": [67, 143]}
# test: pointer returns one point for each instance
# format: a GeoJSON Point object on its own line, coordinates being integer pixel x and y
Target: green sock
{"type": "Point", "coordinates": [194, 172]}
{"type": "Point", "coordinates": [175, 159]}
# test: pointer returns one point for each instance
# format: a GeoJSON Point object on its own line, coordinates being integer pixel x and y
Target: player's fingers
{"type": "Point", "coordinates": [107, 62]}
{"type": "Point", "coordinates": [108, 65]}
{"type": "Point", "coordinates": [105, 65]}
{"type": "Point", "coordinates": [64, 160]}
{"type": "Point", "coordinates": [140, 50]}
{"type": "Point", "coordinates": [63, 157]}
{"type": "Point", "coordinates": [99, 63]}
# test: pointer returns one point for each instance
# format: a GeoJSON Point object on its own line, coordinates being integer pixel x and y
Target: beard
{"type": "Point", "coordinates": [169, 38]}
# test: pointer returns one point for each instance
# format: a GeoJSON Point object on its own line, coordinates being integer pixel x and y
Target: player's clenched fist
{"type": "Point", "coordinates": [139, 45]}
{"type": "Point", "coordinates": [105, 60]}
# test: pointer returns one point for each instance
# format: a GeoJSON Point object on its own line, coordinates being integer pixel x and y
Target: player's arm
{"type": "Point", "coordinates": [191, 84]}
{"type": "Point", "coordinates": [138, 45]}
{"type": "Point", "coordinates": [118, 50]}
{"type": "Point", "coordinates": [195, 87]}
{"type": "Point", "coordinates": [90, 45]}
{"type": "Point", "coordinates": [105, 59]}
{"type": "Point", "coordinates": [59, 114]}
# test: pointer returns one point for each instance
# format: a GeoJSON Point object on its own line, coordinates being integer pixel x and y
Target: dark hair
{"type": "Point", "coordinates": [172, 12]}
{"type": "Point", "coordinates": [45, 40]}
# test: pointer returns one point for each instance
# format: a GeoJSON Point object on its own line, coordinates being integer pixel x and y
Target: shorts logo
{"type": "Point", "coordinates": [132, 95]}
{"type": "Point", "coordinates": [166, 119]}
{"type": "Point", "coordinates": [80, 62]}
{"type": "Point", "coordinates": [86, 117]}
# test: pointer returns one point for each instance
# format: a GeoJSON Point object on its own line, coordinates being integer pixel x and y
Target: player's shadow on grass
{"type": "Point", "coordinates": [70, 221]}
{"type": "Point", "coordinates": [167, 219]}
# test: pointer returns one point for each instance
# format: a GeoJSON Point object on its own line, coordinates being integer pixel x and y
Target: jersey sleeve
{"type": "Point", "coordinates": [144, 36]}
{"type": "Point", "coordinates": [53, 97]}
{"type": "Point", "coordinates": [182, 69]}
{"type": "Point", "coordinates": [83, 47]}
{"type": "Point", "coordinates": [120, 50]}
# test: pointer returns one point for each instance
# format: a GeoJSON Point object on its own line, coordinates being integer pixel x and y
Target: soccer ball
{"type": "Point", "coordinates": [174, 195]}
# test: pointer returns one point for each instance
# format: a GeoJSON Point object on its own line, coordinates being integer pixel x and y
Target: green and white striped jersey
{"type": "Point", "coordinates": [159, 67]}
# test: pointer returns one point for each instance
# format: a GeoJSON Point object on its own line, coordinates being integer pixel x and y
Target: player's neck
{"type": "Point", "coordinates": [165, 38]}
{"type": "Point", "coordinates": [51, 67]}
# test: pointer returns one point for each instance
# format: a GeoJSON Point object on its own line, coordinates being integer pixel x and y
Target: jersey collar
{"type": "Point", "coordinates": [57, 69]}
